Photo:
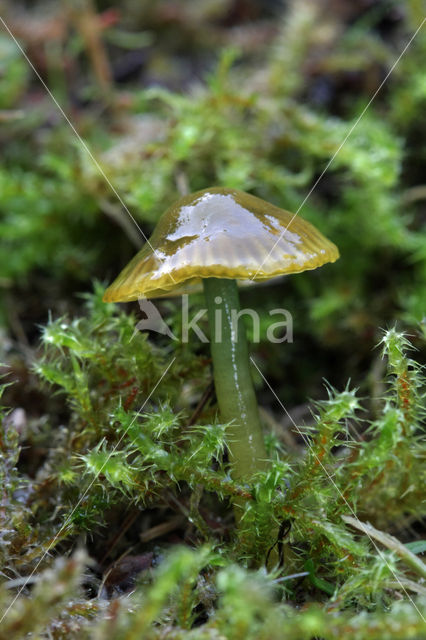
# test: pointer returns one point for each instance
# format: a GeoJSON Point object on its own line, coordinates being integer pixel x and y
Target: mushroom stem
{"type": "Point", "coordinates": [232, 378]}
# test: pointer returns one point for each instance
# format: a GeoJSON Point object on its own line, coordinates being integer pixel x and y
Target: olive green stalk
{"type": "Point", "coordinates": [232, 378]}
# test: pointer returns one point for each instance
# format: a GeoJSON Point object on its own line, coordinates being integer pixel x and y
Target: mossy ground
{"type": "Point", "coordinates": [115, 518]}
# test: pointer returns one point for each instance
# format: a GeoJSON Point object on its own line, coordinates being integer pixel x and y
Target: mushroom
{"type": "Point", "coordinates": [219, 236]}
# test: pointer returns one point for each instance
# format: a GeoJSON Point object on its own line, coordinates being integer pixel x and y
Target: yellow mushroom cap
{"type": "Point", "coordinates": [220, 233]}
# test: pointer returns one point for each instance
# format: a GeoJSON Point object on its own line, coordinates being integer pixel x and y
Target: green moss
{"type": "Point", "coordinates": [118, 454]}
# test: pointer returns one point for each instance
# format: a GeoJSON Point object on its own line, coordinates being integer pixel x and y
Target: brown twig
{"type": "Point", "coordinates": [87, 23]}
{"type": "Point", "coordinates": [162, 529]}
{"type": "Point", "coordinates": [202, 403]}
{"type": "Point", "coordinates": [130, 519]}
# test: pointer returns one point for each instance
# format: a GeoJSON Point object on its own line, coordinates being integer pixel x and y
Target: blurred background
{"type": "Point", "coordinates": [173, 96]}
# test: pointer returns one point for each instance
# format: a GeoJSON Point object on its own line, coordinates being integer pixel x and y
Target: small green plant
{"type": "Point", "coordinates": [214, 237]}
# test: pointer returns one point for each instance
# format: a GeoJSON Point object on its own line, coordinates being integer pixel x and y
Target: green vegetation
{"type": "Point", "coordinates": [115, 492]}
